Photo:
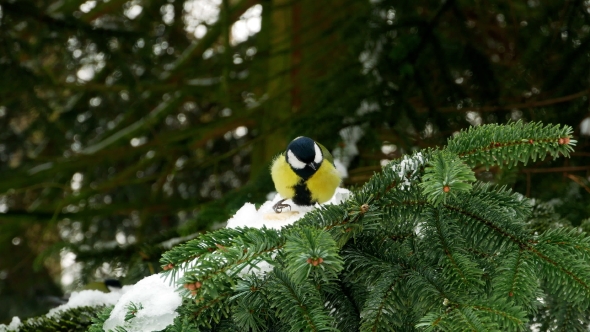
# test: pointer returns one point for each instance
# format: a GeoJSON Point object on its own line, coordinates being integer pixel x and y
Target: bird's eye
{"type": "Point", "coordinates": [293, 161]}
{"type": "Point", "coordinates": [318, 154]}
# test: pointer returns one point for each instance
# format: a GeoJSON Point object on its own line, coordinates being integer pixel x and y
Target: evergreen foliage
{"type": "Point", "coordinates": [393, 258]}
{"type": "Point", "coordinates": [100, 318]}
{"type": "Point", "coordinates": [129, 126]}
{"type": "Point", "coordinates": [75, 319]}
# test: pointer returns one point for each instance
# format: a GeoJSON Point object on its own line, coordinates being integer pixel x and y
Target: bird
{"type": "Point", "coordinates": [304, 173]}
{"type": "Point", "coordinates": [106, 286]}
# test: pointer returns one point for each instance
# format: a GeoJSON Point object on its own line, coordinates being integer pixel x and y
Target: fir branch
{"type": "Point", "coordinates": [213, 269]}
{"type": "Point", "coordinates": [214, 307]}
{"type": "Point", "coordinates": [312, 251]}
{"type": "Point", "coordinates": [570, 317]}
{"type": "Point", "coordinates": [207, 243]}
{"type": "Point", "coordinates": [568, 239]}
{"type": "Point", "coordinates": [398, 174]}
{"type": "Point", "coordinates": [384, 309]}
{"type": "Point", "coordinates": [516, 278]}
{"type": "Point", "coordinates": [335, 219]}
{"type": "Point", "coordinates": [399, 205]}
{"type": "Point", "coordinates": [562, 270]}
{"type": "Point", "coordinates": [493, 314]}
{"type": "Point", "coordinates": [445, 177]}
{"type": "Point", "coordinates": [181, 324]}
{"type": "Point", "coordinates": [467, 320]}
{"type": "Point", "coordinates": [298, 305]}
{"type": "Point", "coordinates": [494, 144]}
{"type": "Point", "coordinates": [75, 319]}
{"type": "Point", "coordinates": [454, 319]}
{"type": "Point", "coordinates": [342, 308]}
{"type": "Point", "coordinates": [425, 284]}
{"type": "Point", "coordinates": [203, 314]}
{"type": "Point", "coordinates": [364, 264]}
{"type": "Point", "coordinates": [494, 209]}
{"type": "Point", "coordinates": [101, 317]}
{"type": "Point", "coordinates": [345, 220]}
{"type": "Point", "coordinates": [561, 315]}
{"type": "Point", "coordinates": [501, 312]}
{"type": "Point", "coordinates": [249, 317]}
{"type": "Point", "coordinates": [210, 278]}
{"type": "Point", "coordinates": [443, 237]}
{"type": "Point", "coordinates": [377, 267]}
{"type": "Point", "coordinates": [252, 309]}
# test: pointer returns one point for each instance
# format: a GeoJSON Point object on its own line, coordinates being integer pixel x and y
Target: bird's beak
{"type": "Point", "coordinates": [312, 166]}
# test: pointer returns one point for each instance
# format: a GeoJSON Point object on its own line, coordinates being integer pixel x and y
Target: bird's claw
{"type": "Point", "coordinates": [279, 206]}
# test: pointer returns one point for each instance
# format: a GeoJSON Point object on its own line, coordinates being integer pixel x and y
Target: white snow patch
{"type": "Point", "coordinates": [13, 326]}
{"type": "Point", "coordinates": [270, 195]}
{"type": "Point", "coordinates": [88, 298]}
{"type": "Point", "coordinates": [158, 299]}
{"type": "Point", "coordinates": [248, 216]}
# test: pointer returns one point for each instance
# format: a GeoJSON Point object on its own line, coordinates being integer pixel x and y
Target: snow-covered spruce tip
{"type": "Point", "coordinates": [157, 301]}
{"type": "Point", "coordinates": [408, 168]}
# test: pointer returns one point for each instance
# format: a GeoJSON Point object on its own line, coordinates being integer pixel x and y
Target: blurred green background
{"type": "Point", "coordinates": [128, 126]}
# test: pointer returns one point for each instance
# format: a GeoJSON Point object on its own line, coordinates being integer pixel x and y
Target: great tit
{"type": "Point", "coordinates": [305, 173]}
{"type": "Point", "coordinates": [106, 286]}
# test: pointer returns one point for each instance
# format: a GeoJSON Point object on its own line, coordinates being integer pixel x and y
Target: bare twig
{"type": "Point", "coordinates": [579, 180]}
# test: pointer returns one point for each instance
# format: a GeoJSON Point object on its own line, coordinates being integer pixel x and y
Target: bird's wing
{"type": "Point", "coordinates": [327, 155]}
{"type": "Point", "coordinates": [97, 285]}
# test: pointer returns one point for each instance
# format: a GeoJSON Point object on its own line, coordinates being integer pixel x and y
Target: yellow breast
{"type": "Point", "coordinates": [324, 182]}
{"type": "Point", "coordinates": [283, 177]}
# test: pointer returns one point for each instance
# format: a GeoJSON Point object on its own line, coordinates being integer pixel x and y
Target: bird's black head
{"type": "Point", "coordinates": [304, 156]}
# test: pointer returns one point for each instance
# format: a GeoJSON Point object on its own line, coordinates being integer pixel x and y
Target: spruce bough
{"type": "Point", "coordinates": [422, 246]}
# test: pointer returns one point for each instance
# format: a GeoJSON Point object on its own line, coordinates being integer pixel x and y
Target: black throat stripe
{"type": "Point", "coordinates": [302, 194]}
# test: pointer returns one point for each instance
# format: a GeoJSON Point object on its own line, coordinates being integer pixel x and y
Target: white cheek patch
{"type": "Point", "coordinates": [318, 154]}
{"type": "Point", "coordinates": [294, 162]}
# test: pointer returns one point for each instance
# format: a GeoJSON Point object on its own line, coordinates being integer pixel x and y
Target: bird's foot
{"type": "Point", "coordinates": [280, 206]}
